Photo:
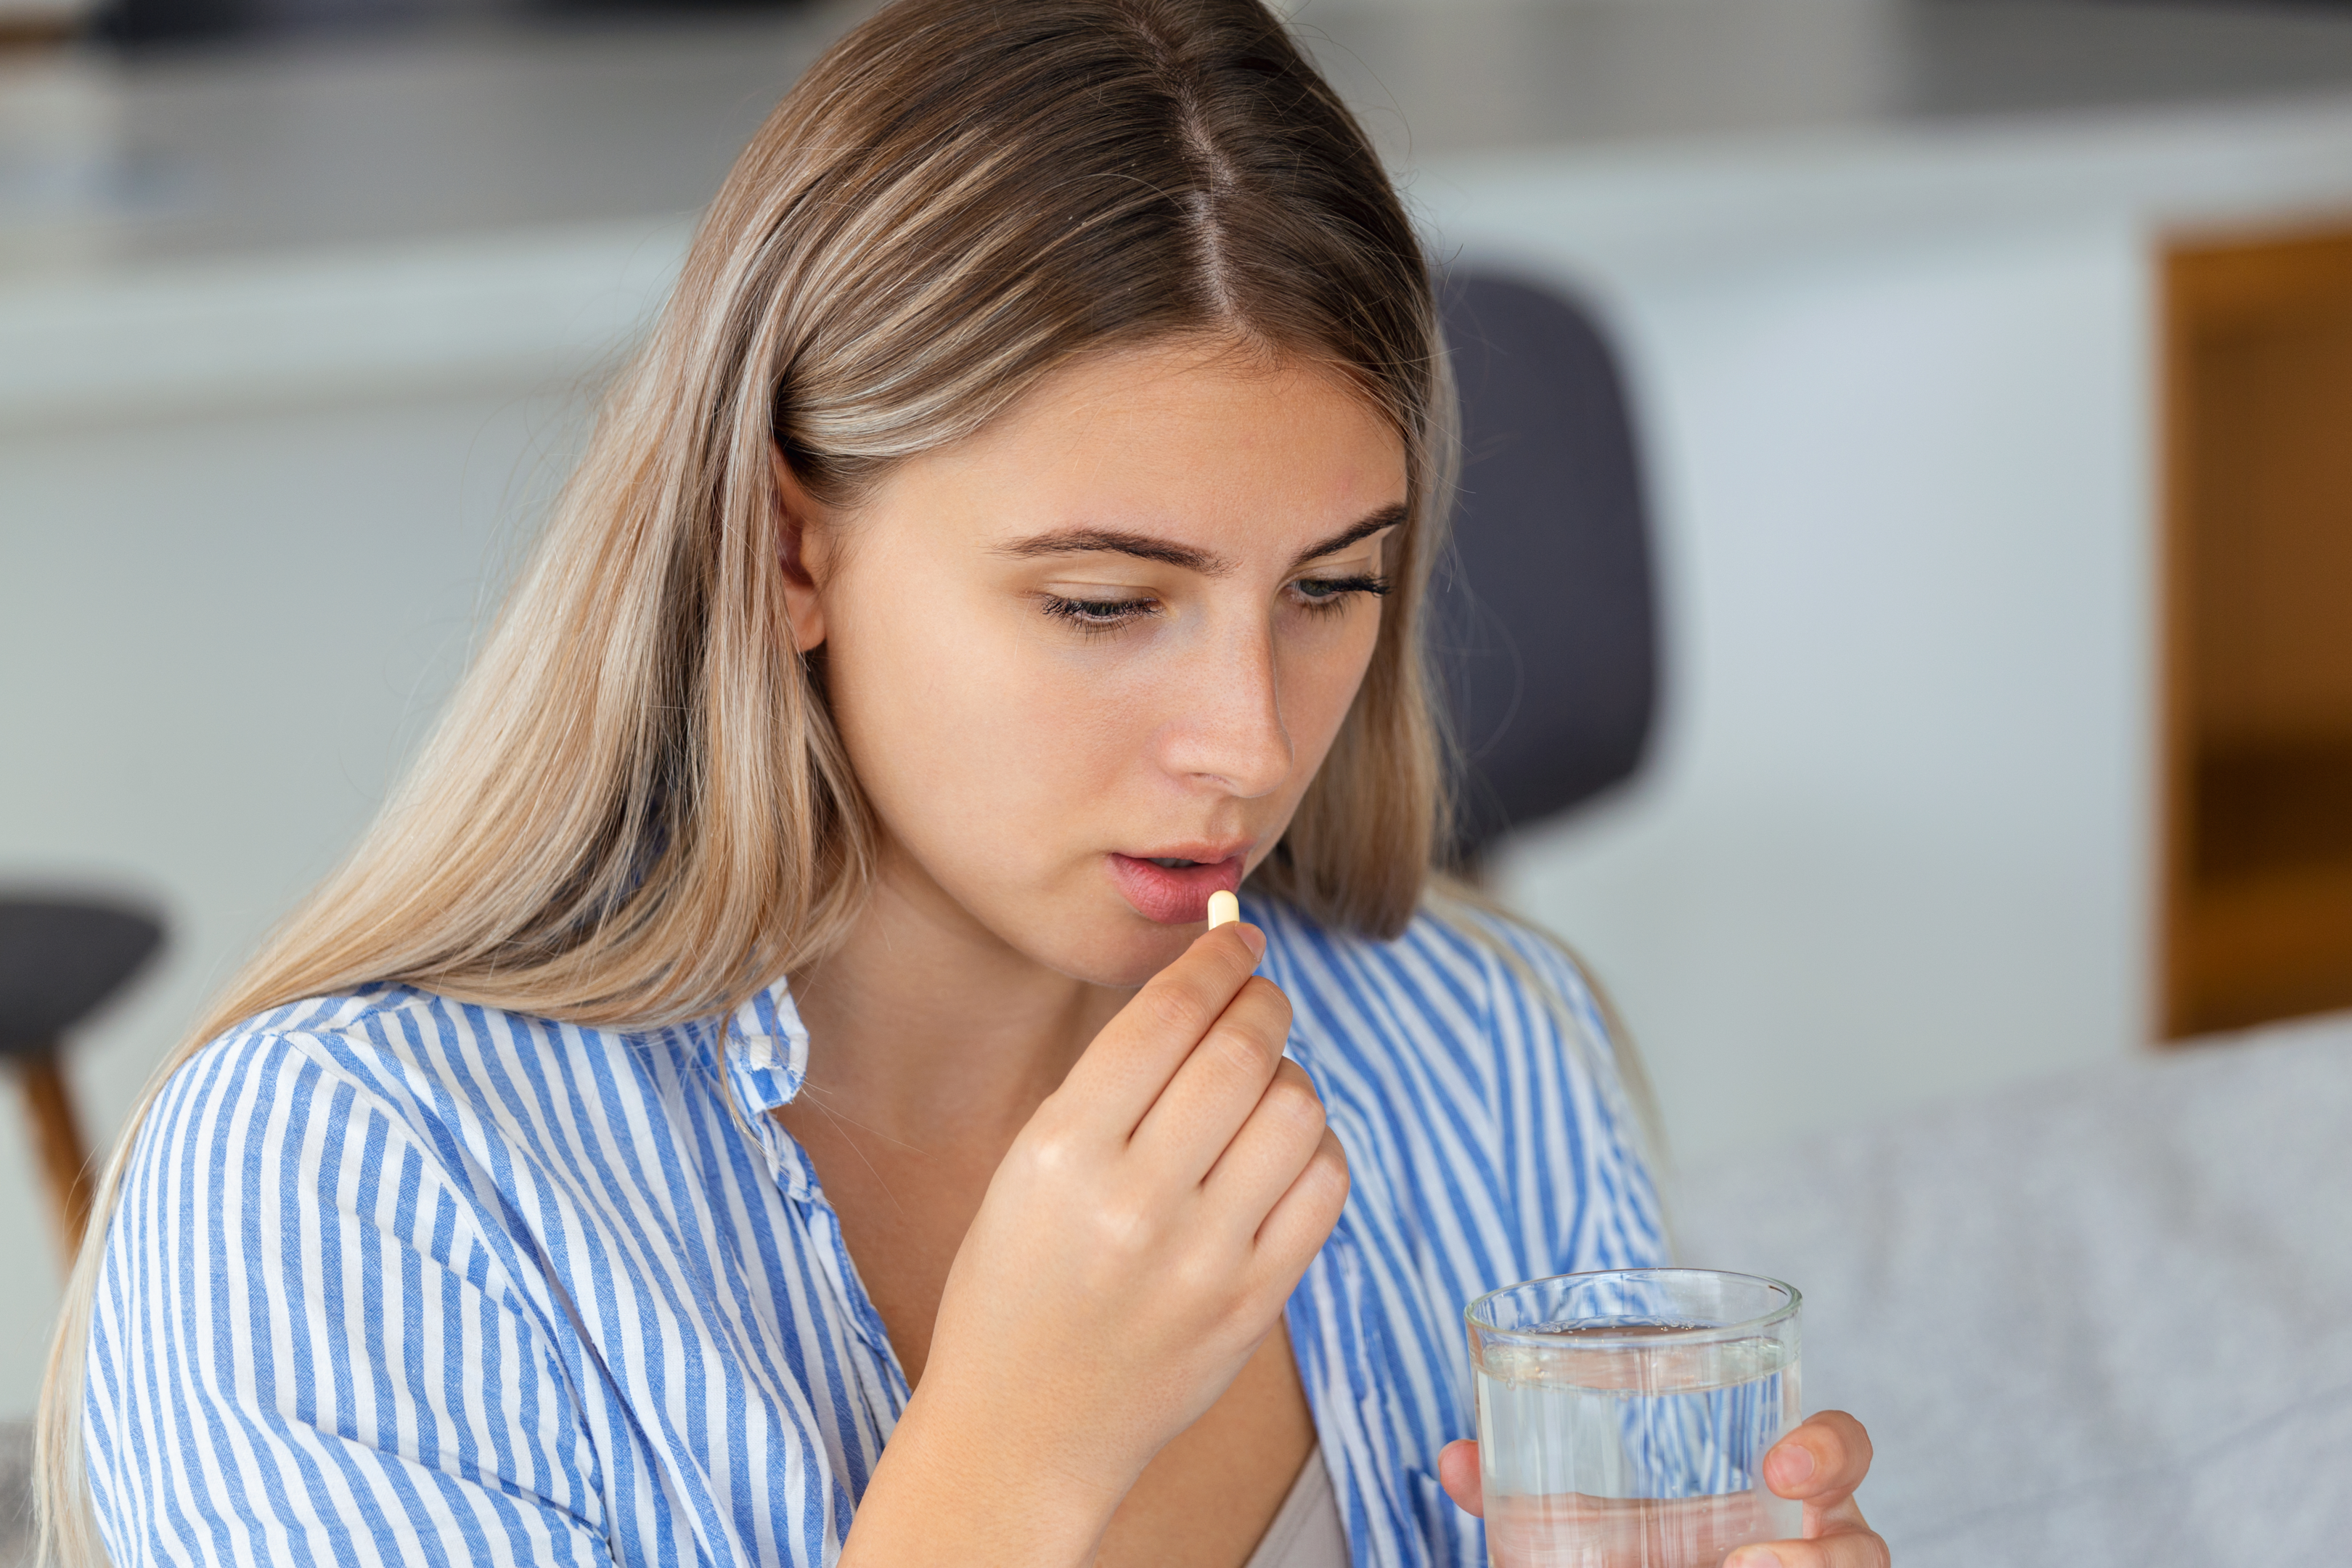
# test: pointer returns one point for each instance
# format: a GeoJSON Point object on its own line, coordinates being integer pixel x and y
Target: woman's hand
{"type": "Point", "coordinates": [1136, 1244]}
{"type": "Point", "coordinates": [1821, 1463]}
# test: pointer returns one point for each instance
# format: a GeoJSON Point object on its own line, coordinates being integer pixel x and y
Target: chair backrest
{"type": "Point", "coordinates": [1544, 616]}
{"type": "Point", "coordinates": [60, 958]}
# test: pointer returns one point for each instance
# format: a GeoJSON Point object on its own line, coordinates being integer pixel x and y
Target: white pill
{"type": "Point", "coordinates": [1223, 909]}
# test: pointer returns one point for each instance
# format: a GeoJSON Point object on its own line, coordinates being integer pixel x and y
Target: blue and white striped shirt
{"type": "Point", "coordinates": [398, 1279]}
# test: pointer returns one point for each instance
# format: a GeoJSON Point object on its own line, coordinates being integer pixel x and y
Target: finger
{"type": "Point", "coordinates": [1457, 1472]}
{"type": "Point", "coordinates": [1845, 1549]}
{"type": "Point", "coordinates": [1839, 1514]}
{"type": "Point", "coordinates": [1218, 1086]}
{"type": "Point", "coordinates": [1298, 1224]}
{"type": "Point", "coordinates": [1273, 1146]}
{"type": "Point", "coordinates": [1124, 1069]}
{"type": "Point", "coordinates": [1822, 1460]}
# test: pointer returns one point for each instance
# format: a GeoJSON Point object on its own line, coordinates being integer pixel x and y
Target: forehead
{"type": "Point", "coordinates": [1223, 447]}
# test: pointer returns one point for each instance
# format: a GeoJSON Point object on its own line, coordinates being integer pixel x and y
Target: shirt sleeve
{"type": "Point", "coordinates": [304, 1349]}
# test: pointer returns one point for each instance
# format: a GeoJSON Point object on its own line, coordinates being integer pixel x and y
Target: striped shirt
{"type": "Point", "coordinates": [395, 1278]}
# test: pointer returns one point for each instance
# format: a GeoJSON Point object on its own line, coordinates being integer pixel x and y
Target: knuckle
{"type": "Point", "coordinates": [1124, 1228]}
{"type": "Point", "coordinates": [1329, 1169]}
{"type": "Point", "coordinates": [1291, 1072]}
{"type": "Point", "coordinates": [1295, 1102]}
{"type": "Point", "coordinates": [1052, 1152]}
{"type": "Point", "coordinates": [1841, 1442]}
{"type": "Point", "coordinates": [1262, 995]}
{"type": "Point", "coordinates": [1201, 1275]}
{"type": "Point", "coordinates": [1171, 1009]}
{"type": "Point", "coordinates": [1248, 1049]}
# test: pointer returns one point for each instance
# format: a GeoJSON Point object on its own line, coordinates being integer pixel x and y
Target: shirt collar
{"type": "Point", "coordinates": [767, 1048]}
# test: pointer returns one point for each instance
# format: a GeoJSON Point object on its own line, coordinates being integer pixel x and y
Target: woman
{"type": "Point", "coordinates": [762, 1093]}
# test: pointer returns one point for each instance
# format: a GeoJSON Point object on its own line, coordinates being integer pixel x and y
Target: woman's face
{"type": "Point", "coordinates": [1086, 662]}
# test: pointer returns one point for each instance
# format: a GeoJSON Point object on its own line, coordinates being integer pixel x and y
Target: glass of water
{"type": "Point", "coordinates": [1624, 1416]}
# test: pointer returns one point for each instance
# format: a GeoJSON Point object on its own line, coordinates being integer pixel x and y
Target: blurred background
{"type": "Point", "coordinates": [1972, 380]}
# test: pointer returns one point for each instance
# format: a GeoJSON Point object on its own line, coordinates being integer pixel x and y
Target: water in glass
{"type": "Point", "coordinates": [1600, 1452]}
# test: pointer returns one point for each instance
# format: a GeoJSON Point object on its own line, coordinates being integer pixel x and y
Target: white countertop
{"type": "Point", "coordinates": [336, 213]}
{"type": "Point", "coordinates": [332, 140]}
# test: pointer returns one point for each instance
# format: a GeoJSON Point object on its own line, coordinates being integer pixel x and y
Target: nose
{"type": "Point", "coordinates": [1228, 730]}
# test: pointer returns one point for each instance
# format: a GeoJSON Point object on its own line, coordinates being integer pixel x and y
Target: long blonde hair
{"type": "Point", "coordinates": [637, 809]}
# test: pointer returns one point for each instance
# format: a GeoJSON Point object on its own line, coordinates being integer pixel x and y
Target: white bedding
{"type": "Point", "coordinates": [2107, 1319]}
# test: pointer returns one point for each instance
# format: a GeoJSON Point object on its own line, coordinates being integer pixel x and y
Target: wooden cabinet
{"type": "Point", "coordinates": [2257, 903]}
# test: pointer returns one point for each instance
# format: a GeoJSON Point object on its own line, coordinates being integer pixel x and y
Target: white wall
{"type": "Point", "coordinates": [1892, 845]}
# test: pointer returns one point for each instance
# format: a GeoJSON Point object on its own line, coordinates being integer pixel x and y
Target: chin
{"type": "Point", "coordinates": [1124, 950]}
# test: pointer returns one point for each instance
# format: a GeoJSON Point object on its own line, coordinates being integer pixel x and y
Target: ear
{"type": "Point", "coordinates": [801, 539]}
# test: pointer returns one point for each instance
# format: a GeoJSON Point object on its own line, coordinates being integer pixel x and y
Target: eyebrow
{"type": "Point", "coordinates": [1116, 542]}
{"type": "Point", "coordinates": [1387, 517]}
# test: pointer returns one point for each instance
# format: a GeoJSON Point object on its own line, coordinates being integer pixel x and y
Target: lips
{"type": "Point", "coordinates": [1174, 888]}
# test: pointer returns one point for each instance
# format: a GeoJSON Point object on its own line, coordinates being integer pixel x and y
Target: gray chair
{"type": "Point", "coordinates": [1544, 615]}
{"type": "Point", "coordinates": [60, 958]}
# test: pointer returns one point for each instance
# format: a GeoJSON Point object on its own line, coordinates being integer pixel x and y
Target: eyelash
{"type": "Point", "coordinates": [1088, 614]}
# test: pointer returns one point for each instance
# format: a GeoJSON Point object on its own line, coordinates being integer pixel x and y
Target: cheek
{"type": "Point", "coordinates": [1319, 685]}
{"type": "Point", "coordinates": [974, 736]}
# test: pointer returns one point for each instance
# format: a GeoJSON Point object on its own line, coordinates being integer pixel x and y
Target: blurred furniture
{"type": "Point", "coordinates": [1542, 615]}
{"type": "Point", "coordinates": [2258, 629]}
{"type": "Point", "coordinates": [173, 21]}
{"type": "Point", "coordinates": [2102, 1319]}
{"type": "Point", "coordinates": [40, 22]}
{"type": "Point", "coordinates": [60, 960]}
{"type": "Point", "coordinates": [16, 1494]}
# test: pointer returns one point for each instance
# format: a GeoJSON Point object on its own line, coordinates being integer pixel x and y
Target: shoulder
{"type": "Point", "coordinates": [396, 1100]}
{"type": "Point", "coordinates": [1470, 1072]}
{"type": "Point", "coordinates": [425, 1061]}
{"type": "Point", "coordinates": [342, 1102]}
{"type": "Point", "coordinates": [250, 1080]}
{"type": "Point", "coordinates": [376, 1053]}
{"type": "Point", "coordinates": [386, 1123]}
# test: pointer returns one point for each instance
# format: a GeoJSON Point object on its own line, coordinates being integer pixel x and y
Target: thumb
{"type": "Point", "coordinates": [1457, 1472]}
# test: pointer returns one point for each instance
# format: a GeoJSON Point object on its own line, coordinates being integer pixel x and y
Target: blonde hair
{"type": "Point", "coordinates": [636, 808]}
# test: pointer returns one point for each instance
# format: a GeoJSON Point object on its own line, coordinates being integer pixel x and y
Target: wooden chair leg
{"type": "Point", "coordinates": [56, 1135]}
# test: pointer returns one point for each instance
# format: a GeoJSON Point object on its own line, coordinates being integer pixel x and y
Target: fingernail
{"type": "Point", "coordinates": [1794, 1465]}
{"type": "Point", "coordinates": [1257, 940]}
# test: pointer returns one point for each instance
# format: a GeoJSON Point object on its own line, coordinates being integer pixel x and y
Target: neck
{"type": "Point", "coordinates": [924, 1024]}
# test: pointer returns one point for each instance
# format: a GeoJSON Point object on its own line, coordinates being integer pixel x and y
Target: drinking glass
{"type": "Point", "coordinates": [1624, 1416]}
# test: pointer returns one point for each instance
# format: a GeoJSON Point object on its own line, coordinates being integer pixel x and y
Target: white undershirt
{"type": "Point", "coordinates": [1306, 1531]}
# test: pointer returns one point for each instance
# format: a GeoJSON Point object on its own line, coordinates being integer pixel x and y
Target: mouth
{"type": "Point", "coordinates": [1173, 889]}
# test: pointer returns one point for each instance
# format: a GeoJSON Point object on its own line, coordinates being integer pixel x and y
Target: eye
{"type": "Point", "coordinates": [1098, 615]}
{"type": "Point", "coordinates": [1321, 594]}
